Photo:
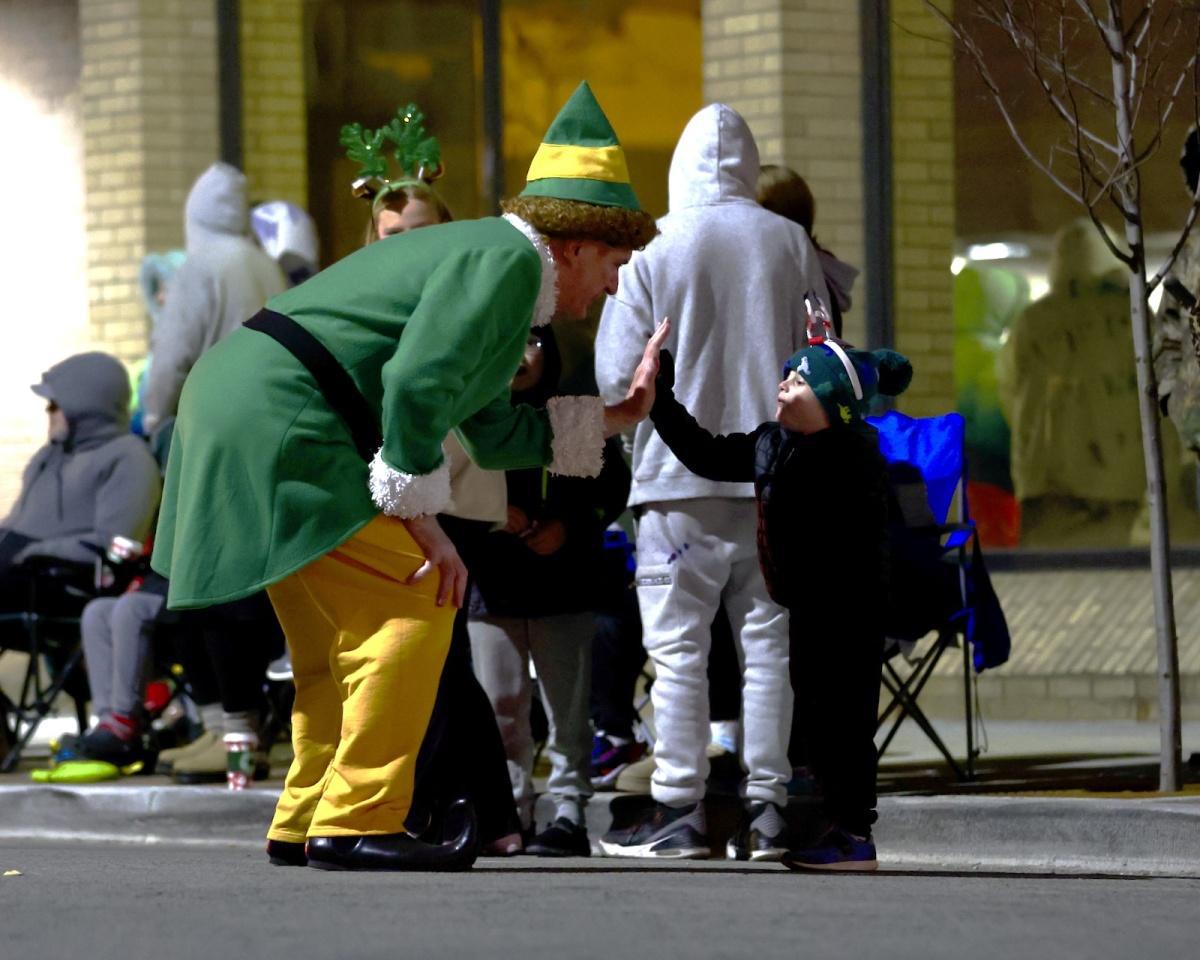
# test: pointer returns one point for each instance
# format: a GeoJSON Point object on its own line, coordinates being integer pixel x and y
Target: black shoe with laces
{"type": "Point", "coordinates": [761, 834]}
{"type": "Point", "coordinates": [563, 838]}
{"type": "Point", "coordinates": [676, 833]}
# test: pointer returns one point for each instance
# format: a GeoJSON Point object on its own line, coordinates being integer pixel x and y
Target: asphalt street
{"type": "Point", "coordinates": [127, 902]}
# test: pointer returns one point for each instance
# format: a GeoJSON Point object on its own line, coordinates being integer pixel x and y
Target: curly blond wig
{"type": "Point", "coordinates": [576, 220]}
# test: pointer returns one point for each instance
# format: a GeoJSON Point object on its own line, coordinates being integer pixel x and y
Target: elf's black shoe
{"type": "Point", "coordinates": [283, 853]}
{"type": "Point", "coordinates": [562, 838]}
{"type": "Point", "coordinates": [401, 851]}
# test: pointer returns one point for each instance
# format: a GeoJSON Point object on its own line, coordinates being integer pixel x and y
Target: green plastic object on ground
{"type": "Point", "coordinates": [85, 771]}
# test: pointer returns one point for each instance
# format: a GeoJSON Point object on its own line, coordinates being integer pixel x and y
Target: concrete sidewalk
{"type": "Point", "coordinates": [1007, 821]}
{"type": "Point", "coordinates": [1155, 837]}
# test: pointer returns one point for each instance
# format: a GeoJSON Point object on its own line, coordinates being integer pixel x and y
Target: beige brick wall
{"type": "Point", "coordinates": [274, 138]}
{"type": "Point", "coordinates": [802, 99]}
{"type": "Point", "coordinates": [923, 183]}
{"type": "Point", "coordinates": [149, 91]}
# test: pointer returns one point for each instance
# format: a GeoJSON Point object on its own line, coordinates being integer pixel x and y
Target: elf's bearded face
{"type": "Point", "coordinates": [799, 410]}
{"type": "Point", "coordinates": [587, 270]}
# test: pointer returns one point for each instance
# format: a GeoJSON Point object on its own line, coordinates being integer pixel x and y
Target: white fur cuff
{"type": "Point", "coordinates": [547, 298]}
{"type": "Point", "coordinates": [578, 442]}
{"type": "Point", "coordinates": [406, 494]}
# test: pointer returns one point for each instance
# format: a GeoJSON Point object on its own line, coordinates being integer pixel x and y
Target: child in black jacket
{"type": "Point", "coordinates": [822, 534]}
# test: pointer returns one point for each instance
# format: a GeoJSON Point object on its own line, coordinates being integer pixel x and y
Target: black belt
{"type": "Point", "coordinates": [335, 384]}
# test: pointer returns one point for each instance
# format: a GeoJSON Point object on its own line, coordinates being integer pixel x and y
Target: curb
{"type": "Point", "coordinates": [1153, 837]}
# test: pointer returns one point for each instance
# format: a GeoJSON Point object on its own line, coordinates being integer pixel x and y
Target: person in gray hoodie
{"type": "Point", "coordinates": [225, 280]}
{"type": "Point", "coordinates": [733, 278]}
{"type": "Point", "coordinates": [92, 480]}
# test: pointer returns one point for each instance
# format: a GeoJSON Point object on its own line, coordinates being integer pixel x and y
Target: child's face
{"type": "Point", "coordinates": [532, 364]}
{"type": "Point", "coordinates": [799, 409]}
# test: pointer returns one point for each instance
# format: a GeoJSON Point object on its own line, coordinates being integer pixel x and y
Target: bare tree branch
{"type": "Point", "coordinates": [1105, 34]}
{"type": "Point", "coordinates": [980, 65]}
{"type": "Point", "coordinates": [1188, 224]}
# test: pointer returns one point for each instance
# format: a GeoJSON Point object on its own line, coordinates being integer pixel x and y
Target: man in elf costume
{"type": "Point", "coordinates": [307, 460]}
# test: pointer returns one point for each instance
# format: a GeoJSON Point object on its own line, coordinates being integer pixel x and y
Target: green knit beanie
{"type": "Point", "coordinates": [846, 380]}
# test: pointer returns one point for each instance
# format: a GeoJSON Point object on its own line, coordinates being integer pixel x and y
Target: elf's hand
{"type": "Point", "coordinates": [441, 556]}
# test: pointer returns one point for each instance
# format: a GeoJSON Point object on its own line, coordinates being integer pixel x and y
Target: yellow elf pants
{"type": "Point", "coordinates": [367, 654]}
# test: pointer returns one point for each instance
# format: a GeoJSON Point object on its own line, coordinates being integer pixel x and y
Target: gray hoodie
{"type": "Point", "coordinates": [725, 271]}
{"type": "Point", "coordinates": [100, 480]}
{"type": "Point", "coordinates": [225, 280]}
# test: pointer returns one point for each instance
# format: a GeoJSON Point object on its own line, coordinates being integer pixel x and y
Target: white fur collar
{"type": "Point", "coordinates": [547, 298]}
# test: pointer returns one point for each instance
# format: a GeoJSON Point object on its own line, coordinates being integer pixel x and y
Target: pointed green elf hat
{"type": "Point", "coordinates": [580, 158]}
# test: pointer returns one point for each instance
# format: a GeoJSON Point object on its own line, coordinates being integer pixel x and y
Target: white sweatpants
{"type": "Point", "coordinates": [692, 555]}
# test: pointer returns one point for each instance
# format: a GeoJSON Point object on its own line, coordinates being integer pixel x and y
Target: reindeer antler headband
{"type": "Point", "coordinates": [418, 157]}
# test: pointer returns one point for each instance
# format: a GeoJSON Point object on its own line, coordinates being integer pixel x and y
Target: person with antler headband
{"type": "Point", "coordinates": [307, 459]}
{"type": "Point", "coordinates": [408, 201]}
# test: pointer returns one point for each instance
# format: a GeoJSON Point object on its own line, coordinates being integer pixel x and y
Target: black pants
{"type": "Point", "coordinates": [225, 650]}
{"type": "Point", "coordinates": [462, 755]}
{"type": "Point", "coordinates": [836, 656]}
{"type": "Point", "coordinates": [617, 660]}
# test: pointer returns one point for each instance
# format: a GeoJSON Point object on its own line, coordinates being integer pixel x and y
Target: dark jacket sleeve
{"type": "Point", "coordinates": [728, 457]}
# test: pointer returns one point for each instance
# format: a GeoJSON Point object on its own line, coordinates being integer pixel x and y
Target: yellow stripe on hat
{"type": "Point", "coordinates": [560, 160]}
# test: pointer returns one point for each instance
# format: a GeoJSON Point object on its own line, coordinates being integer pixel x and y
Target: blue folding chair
{"type": "Point", "coordinates": [939, 583]}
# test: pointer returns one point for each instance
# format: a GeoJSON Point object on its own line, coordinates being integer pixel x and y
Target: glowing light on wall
{"type": "Point", "coordinates": [997, 251]}
{"type": "Point", "coordinates": [42, 263]}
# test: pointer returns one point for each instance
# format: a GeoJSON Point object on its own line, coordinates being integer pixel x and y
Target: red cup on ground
{"type": "Point", "coordinates": [239, 759]}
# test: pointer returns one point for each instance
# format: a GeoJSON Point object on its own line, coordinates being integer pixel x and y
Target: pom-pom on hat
{"type": "Point", "coordinates": [846, 380]}
{"type": "Point", "coordinates": [580, 158]}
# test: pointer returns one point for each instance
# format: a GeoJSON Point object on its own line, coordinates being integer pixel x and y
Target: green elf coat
{"type": "Point", "coordinates": [263, 476]}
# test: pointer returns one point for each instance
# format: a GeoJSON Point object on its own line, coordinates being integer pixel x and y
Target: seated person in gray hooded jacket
{"type": "Point", "coordinates": [90, 482]}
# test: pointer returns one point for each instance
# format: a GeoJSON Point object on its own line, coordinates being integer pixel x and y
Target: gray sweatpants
{"type": "Point", "coordinates": [116, 647]}
{"type": "Point", "coordinates": [694, 555]}
{"type": "Point", "coordinates": [561, 650]}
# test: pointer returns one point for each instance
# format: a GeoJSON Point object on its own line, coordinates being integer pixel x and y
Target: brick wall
{"type": "Point", "coordinates": [274, 139]}
{"type": "Point", "coordinates": [149, 89]}
{"type": "Point", "coordinates": [793, 69]}
{"type": "Point", "coordinates": [923, 181]}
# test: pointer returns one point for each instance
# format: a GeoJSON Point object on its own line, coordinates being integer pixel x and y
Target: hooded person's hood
{"type": "Point", "coordinates": [92, 390]}
{"type": "Point", "coordinates": [715, 161]}
{"type": "Point", "coordinates": [156, 271]}
{"type": "Point", "coordinates": [216, 204]}
{"type": "Point", "coordinates": [1080, 258]}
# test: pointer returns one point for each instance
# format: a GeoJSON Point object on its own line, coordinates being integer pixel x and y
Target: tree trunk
{"type": "Point", "coordinates": [1171, 749]}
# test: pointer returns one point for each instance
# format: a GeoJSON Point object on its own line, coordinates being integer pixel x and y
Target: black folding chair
{"type": "Point", "coordinates": [47, 629]}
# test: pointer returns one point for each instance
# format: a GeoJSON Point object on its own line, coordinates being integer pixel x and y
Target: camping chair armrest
{"type": "Point", "coordinates": [958, 535]}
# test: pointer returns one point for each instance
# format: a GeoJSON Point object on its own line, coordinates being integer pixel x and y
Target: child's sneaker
{"type": "Point", "coordinates": [610, 758]}
{"type": "Point", "coordinates": [835, 849]}
{"type": "Point", "coordinates": [563, 838]}
{"type": "Point", "coordinates": [676, 833]}
{"type": "Point", "coordinates": [761, 834]}
{"type": "Point", "coordinates": [101, 743]}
